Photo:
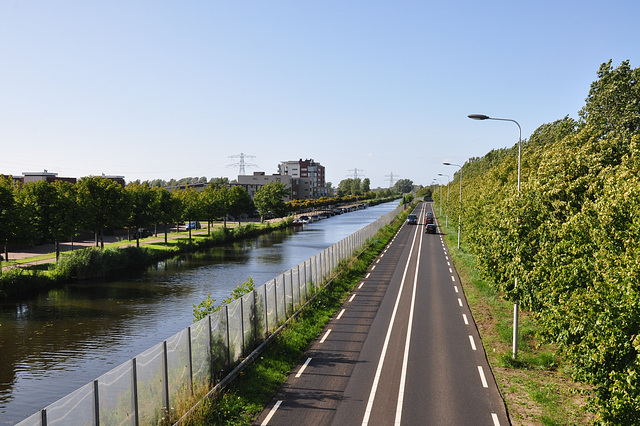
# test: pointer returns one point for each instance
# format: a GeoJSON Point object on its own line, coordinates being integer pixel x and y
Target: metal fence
{"type": "Point", "coordinates": [161, 383]}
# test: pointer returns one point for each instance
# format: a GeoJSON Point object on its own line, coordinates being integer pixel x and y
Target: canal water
{"type": "Point", "coordinates": [54, 343]}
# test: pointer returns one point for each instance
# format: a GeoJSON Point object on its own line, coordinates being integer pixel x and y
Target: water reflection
{"type": "Point", "coordinates": [57, 342]}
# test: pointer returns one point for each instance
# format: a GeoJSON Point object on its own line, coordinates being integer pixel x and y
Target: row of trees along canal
{"type": "Point", "coordinates": [40, 211]}
{"type": "Point", "coordinates": [572, 236]}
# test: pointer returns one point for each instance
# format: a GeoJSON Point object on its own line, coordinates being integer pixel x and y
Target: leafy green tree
{"type": "Point", "coordinates": [103, 203]}
{"type": "Point", "coordinates": [141, 199]}
{"type": "Point", "coordinates": [215, 203]}
{"type": "Point", "coordinates": [403, 186]}
{"type": "Point", "coordinates": [191, 204]}
{"type": "Point", "coordinates": [240, 203]}
{"type": "Point", "coordinates": [8, 214]}
{"type": "Point", "coordinates": [269, 199]}
{"type": "Point", "coordinates": [164, 208]}
{"type": "Point", "coordinates": [366, 185]}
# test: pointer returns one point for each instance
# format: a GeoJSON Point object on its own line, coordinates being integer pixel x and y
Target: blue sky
{"type": "Point", "coordinates": [159, 89]}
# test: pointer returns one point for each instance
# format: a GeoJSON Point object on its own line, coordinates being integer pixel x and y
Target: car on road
{"type": "Point", "coordinates": [431, 228]}
{"type": "Point", "coordinates": [141, 233]}
{"type": "Point", "coordinates": [193, 225]}
{"type": "Point", "coordinates": [412, 219]}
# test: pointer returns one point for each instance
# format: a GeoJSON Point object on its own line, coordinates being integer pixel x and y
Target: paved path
{"type": "Point", "coordinates": [404, 349]}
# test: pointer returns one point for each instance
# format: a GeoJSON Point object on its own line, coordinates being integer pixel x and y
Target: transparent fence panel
{"type": "Point", "coordinates": [150, 381]}
{"type": "Point", "coordinates": [219, 347]}
{"type": "Point", "coordinates": [295, 284]}
{"type": "Point", "coordinates": [248, 322]}
{"type": "Point", "coordinates": [75, 408]}
{"type": "Point", "coordinates": [33, 420]}
{"type": "Point", "coordinates": [201, 356]}
{"type": "Point", "coordinates": [178, 370]}
{"type": "Point", "coordinates": [261, 313]}
{"type": "Point", "coordinates": [288, 291]}
{"type": "Point", "coordinates": [271, 303]}
{"type": "Point", "coordinates": [235, 330]}
{"type": "Point", "coordinates": [280, 298]}
{"type": "Point", "coordinates": [115, 396]}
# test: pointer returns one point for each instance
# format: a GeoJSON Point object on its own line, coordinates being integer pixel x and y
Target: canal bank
{"type": "Point", "coordinates": [62, 339]}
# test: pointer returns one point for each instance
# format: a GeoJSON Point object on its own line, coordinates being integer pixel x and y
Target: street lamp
{"type": "Point", "coordinates": [446, 217]}
{"type": "Point", "coordinates": [515, 305]}
{"type": "Point", "coordinates": [460, 209]}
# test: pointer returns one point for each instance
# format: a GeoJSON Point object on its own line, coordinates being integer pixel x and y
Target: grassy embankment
{"type": "Point", "coordinates": [93, 262]}
{"type": "Point", "coordinates": [249, 393]}
{"type": "Point", "coordinates": [537, 387]}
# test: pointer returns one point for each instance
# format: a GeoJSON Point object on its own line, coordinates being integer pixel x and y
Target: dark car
{"type": "Point", "coordinates": [412, 219]}
{"type": "Point", "coordinates": [193, 225]}
{"type": "Point", "coordinates": [431, 228]}
{"type": "Point", "coordinates": [141, 233]}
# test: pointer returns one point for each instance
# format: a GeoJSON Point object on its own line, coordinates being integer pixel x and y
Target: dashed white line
{"type": "Point", "coordinates": [484, 380]}
{"type": "Point", "coordinates": [378, 261]}
{"type": "Point", "coordinates": [325, 336]}
{"type": "Point", "coordinates": [473, 343]}
{"type": "Point", "coordinates": [496, 421]}
{"type": "Point", "coordinates": [352, 297]}
{"type": "Point", "coordinates": [459, 301]}
{"type": "Point", "coordinates": [450, 271]}
{"type": "Point", "coordinates": [304, 366]}
{"type": "Point", "coordinates": [361, 284]}
{"type": "Point", "coordinates": [367, 275]}
{"type": "Point", "coordinates": [271, 413]}
{"type": "Point", "coordinates": [340, 314]}
{"type": "Point", "coordinates": [373, 267]}
{"type": "Point", "coordinates": [455, 287]}
{"type": "Point", "coordinates": [453, 278]}
{"type": "Point", "coordinates": [464, 317]}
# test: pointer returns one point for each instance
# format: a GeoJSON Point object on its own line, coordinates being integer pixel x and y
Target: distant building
{"type": "Point", "coordinates": [308, 178]}
{"type": "Point", "coordinates": [45, 176]}
{"type": "Point", "coordinates": [251, 183]}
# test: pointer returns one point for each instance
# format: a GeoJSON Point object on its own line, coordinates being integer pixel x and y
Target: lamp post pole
{"type": "Point", "coordinates": [460, 209]}
{"type": "Point", "coordinates": [446, 217]}
{"type": "Point", "coordinates": [515, 305]}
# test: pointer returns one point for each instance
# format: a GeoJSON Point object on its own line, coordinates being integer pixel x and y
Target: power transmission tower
{"type": "Point", "coordinates": [355, 172]}
{"type": "Point", "coordinates": [391, 176]}
{"type": "Point", "coordinates": [242, 163]}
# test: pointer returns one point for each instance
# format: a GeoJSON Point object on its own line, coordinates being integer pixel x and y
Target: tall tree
{"type": "Point", "coordinates": [239, 202]}
{"type": "Point", "coordinates": [141, 199]}
{"type": "Point", "coordinates": [8, 214]}
{"type": "Point", "coordinates": [103, 203]}
{"type": "Point", "coordinates": [269, 199]}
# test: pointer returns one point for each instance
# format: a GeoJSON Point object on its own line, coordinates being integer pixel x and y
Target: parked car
{"type": "Point", "coordinates": [141, 233]}
{"type": "Point", "coordinates": [412, 219]}
{"type": "Point", "coordinates": [193, 225]}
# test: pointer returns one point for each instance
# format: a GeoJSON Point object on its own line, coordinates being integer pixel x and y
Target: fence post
{"type": "Point", "coordinates": [275, 298]}
{"type": "Point", "coordinates": [242, 326]}
{"type": "Point", "coordinates": [96, 406]}
{"type": "Point", "coordinates": [165, 378]}
{"type": "Point", "coordinates": [226, 312]}
{"type": "Point", "coordinates": [190, 359]}
{"type": "Point", "coordinates": [209, 331]}
{"type": "Point", "coordinates": [134, 394]}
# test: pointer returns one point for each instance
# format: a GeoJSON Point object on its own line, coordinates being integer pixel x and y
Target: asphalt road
{"type": "Point", "coordinates": [404, 349]}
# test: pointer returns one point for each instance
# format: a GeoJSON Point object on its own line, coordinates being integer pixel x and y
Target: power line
{"type": "Point", "coordinates": [355, 172]}
{"type": "Point", "coordinates": [241, 164]}
{"type": "Point", "coordinates": [391, 176]}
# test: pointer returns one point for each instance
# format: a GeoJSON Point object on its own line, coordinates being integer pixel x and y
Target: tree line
{"type": "Point", "coordinates": [571, 236]}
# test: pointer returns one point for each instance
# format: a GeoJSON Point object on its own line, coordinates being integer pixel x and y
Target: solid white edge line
{"type": "Point", "coordinates": [473, 343]}
{"type": "Point", "coordinates": [271, 413]}
{"type": "Point", "coordinates": [496, 421]}
{"type": "Point", "coordinates": [405, 359]}
{"type": "Point", "coordinates": [304, 366]}
{"type": "Point", "coordinates": [325, 336]}
{"type": "Point", "coordinates": [484, 380]}
{"type": "Point", "coordinates": [376, 378]}
{"type": "Point", "coordinates": [352, 297]}
{"type": "Point", "coordinates": [464, 317]}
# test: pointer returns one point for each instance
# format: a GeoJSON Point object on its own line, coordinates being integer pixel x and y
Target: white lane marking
{"type": "Point", "coordinates": [453, 278]}
{"type": "Point", "coordinates": [484, 380]}
{"type": "Point", "coordinates": [376, 379]}
{"type": "Point", "coordinates": [496, 421]}
{"type": "Point", "coordinates": [352, 297]}
{"type": "Point", "coordinates": [473, 343]}
{"type": "Point", "coordinates": [459, 301]}
{"type": "Point", "coordinates": [325, 336]}
{"type": "Point", "coordinates": [464, 317]}
{"type": "Point", "coordinates": [447, 257]}
{"type": "Point", "coordinates": [340, 314]}
{"type": "Point", "coordinates": [304, 366]}
{"type": "Point", "coordinates": [450, 271]}
{"type": "Point", "coordinates": [455, 287]}
{"type": "Point", "coordinates": [271, 413]}
{"type": "Point", "coordinates": [373, 267]}
{"type": "Point", "coordinates": [361, 284]}
{"type": "Point", "coordinates": [405, 359]}
{"type": "Point", "coordinates": [448, 264]}
{"type": "Point", "coordinates": [382, 255]}
{"type": "Point", "coordinates": [367, 275]}
{"type": "Point", "coordinates": [378, 261]}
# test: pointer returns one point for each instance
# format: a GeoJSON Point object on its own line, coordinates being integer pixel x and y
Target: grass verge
{"type": "Point", "coordinates": [243, 400]}
{"type": "Point", "coordinates": [536, 386]}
